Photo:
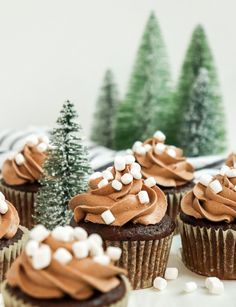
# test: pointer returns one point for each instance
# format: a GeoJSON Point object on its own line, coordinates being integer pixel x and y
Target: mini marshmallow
{"type": "Point", "coordinates": [20, 159]}
{"type": "Point", "coordinates": [136, 145]}
{"type": "Point", "coordinates": [117, 185]}
{"type": "Point", "coordinates": [42, 147]}
{"type": "Point", "coordinates": [143, 197]}
{"type": "Point", "coordinates": [80, 249]}
{"type": "Point", "coordinates": [159, 135]}
{"type": "Point", "coordinates": [107, 175]}
{"type": "Point", "coordinates": [80, 234]}
{"type": "Point", "coordinates": [150, 182]}
{"type": "Point", "coordinates": [95, 238]}
{"type": "Point", "coordinates": [140, 150]}
{"type": "Point", "coordinates": [205, 179]}
{"type": "Point", "coordinates": [102, 259]}
{"type": "Point", "coordinates": [224, 169]}
{"type": "Point", "coordinates": [190, 286]}
{"type": "Point", "coordinates": [114, 253]}
{"type": "Point", "coordinates": [159, 283]}
{"type": "Point", "coordinates": [96, 249]}
{"type": "Point", "coordinates": [136, 165]}
{"type": "Point", "coordinates": [42, 257]}
{"type": "Point", "coordinates": [171, 273]}
{"type": "Point", "coordinates": [231, 173]}
{"type": "Point", "coordinates": [62, 255]}
{"type": "Point", "coordinates": [129, 152]}
{"type": "Point", "coordinates": [216, 186]}
{"type": "Point", "coordinates": [2, 196]}
{"type": "Point", "coordinates": [126, 178]}
{"type": "Point", "coordinates": [31, 247]}
{"type": "Point", "coordinates": [108, 217]}
{"type": "Point", "coordinates": [95, 175]}
{"type": "Point", "coordinates": [45, 139]}
{"type": "Point", "coordinates": [135, 173]}
{"type": "Point", "coordinates": [159, 148]}
{"type": "Point", "coordinates": [102, 183]}
{"type": "Point", "coordinates": [3, 207]}
{"type": "Point", "coordinates": [32, 140]}
{"type": "Point", "coordinates": [129, 159]}
{"type": "Point", "coordinates": [39, 233]}
{"type": "Point", "coordinates": [171, 152]}
{"type": "Point", "coordinates": [63, 234]}
{"type": "Point", "coordinates": [147, 147]}
{"type": "Point", "coordinates": [214, 285]}
{"type": "Point", "coordinates": [235, 188]}
{"type": "Point", "coordinates": [119, 163]}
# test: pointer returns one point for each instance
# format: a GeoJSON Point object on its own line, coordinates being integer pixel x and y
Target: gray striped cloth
{"type": "Point", "coordinates": [100, 157]}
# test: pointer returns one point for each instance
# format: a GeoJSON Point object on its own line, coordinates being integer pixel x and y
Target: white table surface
{"type": "Point", "coordinates": [173, 295]}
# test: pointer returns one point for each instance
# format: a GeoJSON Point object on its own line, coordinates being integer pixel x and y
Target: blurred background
{"type": "Point", "coordinates": [56, 50]}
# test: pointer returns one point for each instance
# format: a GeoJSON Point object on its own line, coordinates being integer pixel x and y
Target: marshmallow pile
{"type": "Point", "coordinates": [82, 245]}
{"type": "Point", "coordinates": [3, 204]}
{"type": "Point", "coordinates": [215, 185]}
{"type": "Point", "coordinates": [141, 149]}
{"type": "Point", "coordinates": [106, 177]}
{"type": "Point", "coordinates": [41, 143]}
{"type": "Point", "coordinates": [213, 284]}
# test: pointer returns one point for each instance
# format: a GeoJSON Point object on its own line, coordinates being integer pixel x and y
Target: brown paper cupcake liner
{"type": "Point", "coordinates": [143, 260]}
{"type": "Point", "coordinates": [23, 202]}
{"type": "Point", "coordinates": [209, 251]}
{"type": "Point", "coordinates": [11, 301]}
{"type": "Point", "coordinates": [10, 253]}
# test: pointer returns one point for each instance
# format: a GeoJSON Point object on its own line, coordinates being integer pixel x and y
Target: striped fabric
{"type": "Point", "coordinates": [100, 157]}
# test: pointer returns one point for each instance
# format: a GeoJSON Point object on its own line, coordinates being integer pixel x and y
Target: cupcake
{"type": "Point", "coordinates": [65, 267]}
{"type": "Point", "coordinates": [167, 165]}
{"type": "Point", "coordinates": [207, 225]}
{"type": "Point", "coordinates": [128, 212]}
{"type": "Point", "coordinates": [12, 236]}
{"type": "Point", "coordinates": [20, 177]}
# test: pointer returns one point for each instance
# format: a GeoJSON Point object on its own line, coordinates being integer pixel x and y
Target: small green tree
{"type": "Point", "coordinates": [105, 116]}
{"type": "Point", "coordinates": [65, 170]}
{"type": "Point", "coordinates": [199, 56]}
{"type": "Point", "coordinates": [146, 106]}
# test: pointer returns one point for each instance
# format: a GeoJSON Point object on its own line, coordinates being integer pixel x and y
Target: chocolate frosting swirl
{"type": "Point", "coordinates": [9, 222]}
{"type": "Point", "coordinates": [124, 204]}
{"type": "Point", "coordinates": [29, 171]}
{"type": "Point", "coordinates": [79, 278]}
{"type": "Point", "coordinates": [203, 203]}
{"type": "Point", "coordinates": [231, 160]}
{"type": "Point", "coordinates": [168, 170]}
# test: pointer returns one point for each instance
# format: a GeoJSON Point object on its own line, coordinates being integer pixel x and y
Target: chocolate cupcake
{"type": "Point", "coordinates": [167, 165]}
{"type": "Point", "coordinates": [12, 236]}
{"type": "Point", "coordinates": [128, 212]}
{"type": "Point", "coordinates": [65, 267]}
{"type": "Point", "coordinates": [20, 177]}
{"type": "Point", "coordinates": [207, 225]}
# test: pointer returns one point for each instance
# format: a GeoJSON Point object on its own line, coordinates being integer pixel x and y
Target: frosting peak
{"type": "Point", "coordinates": [123, 198]}
{"type": "Point", "coordinates": [26, 165]}
{"type": "Point", "coordinates": [213, 198]}
{"type": "Point", "coordinates": [55, 264]}
{"type": "Point", "coordinates": [163, 162]}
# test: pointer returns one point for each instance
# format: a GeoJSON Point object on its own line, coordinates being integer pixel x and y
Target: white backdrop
{"type": "Point", "coordinates": [52, 50]}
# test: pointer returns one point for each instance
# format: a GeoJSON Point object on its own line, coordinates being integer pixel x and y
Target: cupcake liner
{"type": "Point", "coordinates": [11, 301]}
{"type": "Point", "coordinates": [209, 251]}
{"type": "Point", "coordinates": [10, 253]}
{"type": "Point", "coordinates": [23, 202]}
{"type": "Point", "coordinates": [143, 260]}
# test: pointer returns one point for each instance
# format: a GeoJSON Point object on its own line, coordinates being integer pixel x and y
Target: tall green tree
{"type": "Point", "coordinates": [103, 130]}
{"type": "Point", "coordinates": [146, 106]}
{"type": "Point", "coordinates": [198, 56]}
{"type": "Point", "coordinates": [65, 170]}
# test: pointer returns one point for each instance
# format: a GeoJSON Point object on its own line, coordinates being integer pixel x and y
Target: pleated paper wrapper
{"type": "Point", "coordinates": [23, 202]}
{"type": "Point", "coordinates": [209, 251]}
{"type": "Point", "coordinates": [11, 301]}
{"type": "Point", "coordinates": [10, 253]}
{"type": "Point", "coordinates": [143, 260]}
